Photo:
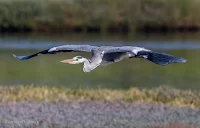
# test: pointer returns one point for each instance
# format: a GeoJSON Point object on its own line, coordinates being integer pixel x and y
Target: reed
{"type": "Point", "coordinates": [99, 15]}
{"type": "Point", "coordinates": [160, 95]}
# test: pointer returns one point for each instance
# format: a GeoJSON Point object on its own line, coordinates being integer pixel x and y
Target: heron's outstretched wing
{"type": "Point", "coordinates": [63, 48]}
{"type": "Point", "coordinates": [138, 52]}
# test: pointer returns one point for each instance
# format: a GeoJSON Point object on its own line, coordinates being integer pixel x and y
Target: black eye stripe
{"type": "Point", "coordinates": [79, 57]}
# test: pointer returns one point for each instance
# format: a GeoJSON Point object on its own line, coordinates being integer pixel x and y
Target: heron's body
{"type": "Point", "coordinates": [105, 55]}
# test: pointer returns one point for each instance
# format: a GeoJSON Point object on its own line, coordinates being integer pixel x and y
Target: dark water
{"type": "Point", "coordinates": [46, 69]}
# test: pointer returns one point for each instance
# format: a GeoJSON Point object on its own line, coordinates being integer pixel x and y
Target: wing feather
{"type": "Point", "coordinates": [69, 48]}
{"type": "Point", "coordinates": [132, 49]}
{"type": "Point", "coordinates": [155, 57]}
{"type": "Point", "coordinates": [63, 48]}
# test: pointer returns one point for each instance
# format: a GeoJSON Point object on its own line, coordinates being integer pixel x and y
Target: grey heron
{"type": "Point", "coordinates": [105, 55]}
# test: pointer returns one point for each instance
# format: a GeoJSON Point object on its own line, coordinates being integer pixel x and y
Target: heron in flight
{"type": "Point", "coordinates": [105, 55]}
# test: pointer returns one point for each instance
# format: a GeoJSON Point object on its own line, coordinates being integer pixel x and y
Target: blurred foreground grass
{"type": "Point", "coordinates": [160, 95]}
{"type": "Point", "coordinates": [98, 15]}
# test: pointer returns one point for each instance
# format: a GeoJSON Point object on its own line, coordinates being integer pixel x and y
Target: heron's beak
{"type": "Point", "coordinates": [67, 61]}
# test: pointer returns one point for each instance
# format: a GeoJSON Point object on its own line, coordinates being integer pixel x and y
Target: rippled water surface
{"type": "Point", "coordinates": [46, 69]}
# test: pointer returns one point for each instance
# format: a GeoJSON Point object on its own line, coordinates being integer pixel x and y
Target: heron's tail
{"type": "Point", "coordinates": [161, 58]}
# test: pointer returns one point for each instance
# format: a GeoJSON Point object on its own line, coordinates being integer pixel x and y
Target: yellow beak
{"type": "Point", "coordinates": [67, 61]}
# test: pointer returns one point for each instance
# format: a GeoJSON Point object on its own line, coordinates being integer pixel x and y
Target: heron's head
{"type": "Point", "coordinates": [74, 60]}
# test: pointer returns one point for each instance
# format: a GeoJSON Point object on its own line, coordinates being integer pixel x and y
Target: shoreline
{"type": "Point", "coordinates": [160, 95]}
{"type": "Point", "coordinates": [44, 106]}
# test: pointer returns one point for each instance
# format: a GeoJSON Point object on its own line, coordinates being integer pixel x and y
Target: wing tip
{"type": "Point", "coordinates": [18, 57]}
{"type": "Point", "coordinates": [164, 59]}
{"type": "Point", "coordinates": [180, 60]}
{"type": "Point", "coordinates": [14, 56]}
{"type": "Point", "coordinates": [183, 60]}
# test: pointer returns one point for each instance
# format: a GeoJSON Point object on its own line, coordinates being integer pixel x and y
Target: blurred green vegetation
{"type": "Point", "coordinates": [159, 95]}
{"type": "Point", "coordinates": [98, 15]}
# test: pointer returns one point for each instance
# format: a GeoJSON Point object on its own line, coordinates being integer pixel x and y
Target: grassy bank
{"type": "Point", "coordinates": [160, 95]}
{"type": "Point", "coordinates": [99, 15]}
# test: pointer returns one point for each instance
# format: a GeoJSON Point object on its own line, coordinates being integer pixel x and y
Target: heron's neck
{"type": "Point", "coordinates": [88, 66]}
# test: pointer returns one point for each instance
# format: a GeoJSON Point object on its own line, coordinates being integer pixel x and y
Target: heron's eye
{"type": "Point", "coordinates": [76, 59]}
